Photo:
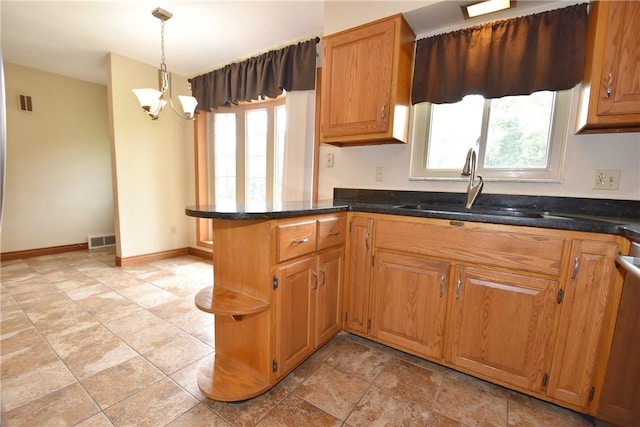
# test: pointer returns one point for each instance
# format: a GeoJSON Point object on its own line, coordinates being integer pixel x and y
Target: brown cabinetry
{"type": "Point", "coordinates": [610, 91]}
{"type": "Point", "coordinates": [276, 299]}
{"type": "Point", "coordinates": [410, 302]}
{"type": "Point", "coordinates": [501, 325]}
{"type": "Point", "coordinates": [358, 275]}
{"type": "Point", "coordinates": [366, 83]}
{"type": "Point", "coordinates": [591, 295]}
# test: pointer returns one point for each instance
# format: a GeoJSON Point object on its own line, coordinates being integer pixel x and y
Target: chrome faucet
{"type": "Point", "coordinates": [469, 169]}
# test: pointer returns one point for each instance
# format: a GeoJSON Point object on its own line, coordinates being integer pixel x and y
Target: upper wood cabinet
{"type": "Point", "coordinates": [610, 91]}
{"type": "Point", "coordinates": [366, 84]}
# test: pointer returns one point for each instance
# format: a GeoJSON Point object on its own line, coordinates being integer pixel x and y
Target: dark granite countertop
{"type": "Point", "coordinates": [620, 217]}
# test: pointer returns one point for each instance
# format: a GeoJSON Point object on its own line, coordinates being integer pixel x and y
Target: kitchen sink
{"type": "Point", "coordinates": [476, 210]}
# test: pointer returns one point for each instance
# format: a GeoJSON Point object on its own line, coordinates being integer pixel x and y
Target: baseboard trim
{"type": "Point", "coordinates": [200, 253]}
{"type": "Point", "coordinates": [156, 256]}
{"type": "Point", "coordinates": [30, 253]}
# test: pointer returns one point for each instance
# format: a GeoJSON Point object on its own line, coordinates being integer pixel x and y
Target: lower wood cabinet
{"type": "Point", "coordinates": [501, 325]}
{"type": "Point", "coordinates": [410, 302]}
{"type": "Point", "coordinates": [591, 296]}
{"type": "Point", "coordinates": [544, 329]}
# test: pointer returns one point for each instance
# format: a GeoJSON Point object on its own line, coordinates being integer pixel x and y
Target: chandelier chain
{"type": "Point", "coordinates": [162, 42]}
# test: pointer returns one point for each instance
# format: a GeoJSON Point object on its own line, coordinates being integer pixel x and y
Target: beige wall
{"type": "Point", "coordinates": [355, 166]}
{"type": "Point", "coordinates": [58, 172]}
{"type": "Point", "coordinates": [152, 165]}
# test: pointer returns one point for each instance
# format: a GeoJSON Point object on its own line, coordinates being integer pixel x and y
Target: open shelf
{"type": "Point", "coordinates": [225, 379]}
{"type": "Point", "coordinates": [225, 301]}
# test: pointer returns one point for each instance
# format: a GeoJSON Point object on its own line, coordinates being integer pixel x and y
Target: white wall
{"type": "Point", "coordinates": [58, 172]}
{"type": "Point", "coordinates": [152, 166]}
{"type": "Point", "coordinates": [355, 166]}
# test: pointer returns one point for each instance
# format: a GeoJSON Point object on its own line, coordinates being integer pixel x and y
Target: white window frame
{"type": "Point", "coordinates": [551, 173]}
{"type": "Point", "coordinates": [241, 155]}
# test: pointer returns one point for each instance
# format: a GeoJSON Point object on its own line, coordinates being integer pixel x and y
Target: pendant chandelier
{"type": "Point", "coordinates": [153, 101]}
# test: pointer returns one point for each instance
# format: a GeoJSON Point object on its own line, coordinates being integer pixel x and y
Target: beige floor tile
{"type": "Point", "coordinates": [248, 412]}
{"type": "Point", "coordinates": [199, 416]}
{"type": "Point", "coordinates": [108, 306]}
{"type": "Point", "coordinates": [98, 420]}
{"type": "Point", "coordinates": [119, 382]}
{"type": "Point", "coordinates": [294, 411]}
{"type": "Point", "coordinates": [187, 377]}
{"type": "Point", "coordinates": [206, 334]}
{"type": "Point", "coordinates": [361, 361]}
{"type": "Point", "coordinates": [31, 385]}
{"type": "Point", "coordinates": [439, 420]}
{"type": "Point", "coordinates": [86, 290]}
{"type": "Point", "coordinates": [27, 358]}
{"type": "Point", "coordinates": [56, 323]}
{"type": "Point", "coordinates": [181, 286]}
{"type": "Point", "coordinates": [148, 295]}
{"type": "Point", "coordinates": [81, 340]}
{"type": "Point", "coordinates": [97, 358]}
{"type": "Point", "coordinates": [158, 404]}
{"type": "Point", "coordinates": [334, 391]}
{"type": "Point", "coordinates": [178, 353]}
{"type": "Point", "coordinates": [184, 315]}
{"type": "Point", "coordinates": [16, 339]}
{"type": "Point", "coordinates": [380, 407]}
{"type": "Point", "coordinates": [64, 407]}
{"type": "Point", "coordinates": [13, 321]}
{"type": "Point", "coordinates": [469, 404]}
{"type": "Point", "coordinates": [410, 381]}
{"type": "Point", "coordinates": [523, 407]}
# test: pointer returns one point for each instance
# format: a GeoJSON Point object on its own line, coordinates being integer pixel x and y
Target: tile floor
{"type": "Point", "coordinates": [89, 344]}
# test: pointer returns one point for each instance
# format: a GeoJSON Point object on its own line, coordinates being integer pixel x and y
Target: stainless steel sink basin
{"type": "Point", "coordinates": [476, 210]}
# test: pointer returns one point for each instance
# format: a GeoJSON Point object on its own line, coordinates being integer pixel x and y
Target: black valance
{"type": "Point", "coordinates": [519, 56]}
{"type": "Point", "coordinates": [290, 68]}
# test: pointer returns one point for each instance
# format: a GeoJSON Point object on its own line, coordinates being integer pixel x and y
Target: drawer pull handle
{"type": "Point", "coordinates": [366, 240]}
{"type": "Point", "coordinates": [441, 286]}
{"type": "Point", "coordinates": [334, 233]}
{"type": "Point", "coordinates": [305, 239]}
{"type": "Point", "coordinates": [382, 110]}
{"type": "Point", "coordinates": [315, 280]}
{"type": "Point", "coordinates": [610, 83]}
{"type": "Point", "coordinates": [458, 286]}
{"type": "Point", "coordinates": [324, 276]}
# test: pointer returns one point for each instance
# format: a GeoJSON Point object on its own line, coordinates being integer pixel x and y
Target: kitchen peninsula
{"type": "Point", "coordinates": [497, 291]}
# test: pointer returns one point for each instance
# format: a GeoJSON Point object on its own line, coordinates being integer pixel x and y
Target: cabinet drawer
{"type": "Point", "coordinates": [331, 231]}
{"type": "Point", "coordinates": [537, 253]}
{"type": "Point", "coordinates": [295, 239]}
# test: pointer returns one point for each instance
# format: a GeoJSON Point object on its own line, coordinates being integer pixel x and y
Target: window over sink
{"type": "Point", "coordinates": [517, 138]}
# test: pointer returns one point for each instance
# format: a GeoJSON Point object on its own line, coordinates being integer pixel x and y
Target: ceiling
{"type": "Point", "coordinates": [73, 37]}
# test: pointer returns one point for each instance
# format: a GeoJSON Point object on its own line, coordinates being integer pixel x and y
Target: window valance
{"type": "Point", "coordinates": [290, 68]}
{"type": "Point", "coordinates": [544, 51]}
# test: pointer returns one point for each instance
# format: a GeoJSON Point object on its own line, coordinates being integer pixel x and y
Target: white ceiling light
{"type": "Point", "coordinates": [485, 7]}
{"type": "Point", "coordinates": [152, 101]}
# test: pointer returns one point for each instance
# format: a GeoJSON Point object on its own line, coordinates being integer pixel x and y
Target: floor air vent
{"type": "Point", "coordinates": [101, 241]}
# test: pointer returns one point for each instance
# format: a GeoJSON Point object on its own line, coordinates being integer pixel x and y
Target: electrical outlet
{"type": "Point", "coordinates": [606, 179]}
{"type": "Point", "coordinates": [173, 229]}
{"type": "Point", "coordinates": [329, 160]}
{"type": "Point", "coordinates": [379, 173]}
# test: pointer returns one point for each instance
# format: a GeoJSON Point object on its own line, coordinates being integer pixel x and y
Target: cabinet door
{"type": "Point", "coordinates": [501, 325]}
{"type": "Point", "coordinates": [588, 290]}
{"type": "Point", "coordinates": [409, 302]}
{"type": "Point", "coordinates": [356, 296]}
{"type": "Point", "coordinates": [620, 90]}
{"type": "Point", "coordinates": [610, 94]}
{"type": "Point", "coordinates": [294, 323]}
{"type": "Point", "coordinates": [357, 73]}
{"type": "Point", "coordinates": [327, 306]}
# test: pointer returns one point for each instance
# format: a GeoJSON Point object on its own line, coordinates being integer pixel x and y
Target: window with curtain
{"type": "Point", "coordinates": [246, 152]}
{"type": "Point", "coordinates": [502, 88]}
